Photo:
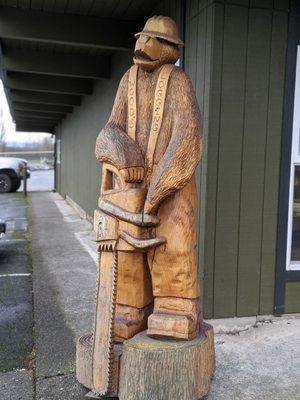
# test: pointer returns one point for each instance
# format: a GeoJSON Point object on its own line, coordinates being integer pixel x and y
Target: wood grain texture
{"type": "Point", "coordinates": [168, 133]}
{"type": "Point", "coordinates": [148, 208]}
{"type": "Point", "coordinates": [84, 360]}
{"type": "Point", "coordinates": [104, 373]}
{"type": "Point", "coordinates": [117, 148]}
{"type": "Point", "coordinates": [187, 367]}
{"type": "Point", "coordinates": [175, 318]}
{"type": "Point", "coordinates": [130, 320]}
{"type": "Point", "coordinates": [84, 363]}
{"type": "Point", "coordinates": [170, 171]}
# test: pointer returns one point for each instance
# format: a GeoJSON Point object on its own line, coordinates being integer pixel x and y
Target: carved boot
{"type": "Point", "coordinates": [130, 320]}
{"type": "Point", "coordinates": [174, 318]}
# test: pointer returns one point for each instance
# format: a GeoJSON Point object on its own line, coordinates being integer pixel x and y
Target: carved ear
{"type": "Point", "coordinates": [170, 54]}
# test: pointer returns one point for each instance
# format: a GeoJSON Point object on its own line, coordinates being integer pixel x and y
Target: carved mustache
{"type": "Point", "coordinates": [142, 54]}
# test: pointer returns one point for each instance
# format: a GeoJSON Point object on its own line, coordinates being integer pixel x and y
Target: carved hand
{"type": "Point", "coordinates": [149, 208]}
{"type": "Point", "coordinates": [132, 174]}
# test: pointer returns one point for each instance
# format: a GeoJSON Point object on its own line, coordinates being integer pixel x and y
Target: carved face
{"type": "Point", "coordinates": [152, 52]}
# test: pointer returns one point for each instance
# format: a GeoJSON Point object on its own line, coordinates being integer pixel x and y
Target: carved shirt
{"type": "Point", "coordinates": [178, 148]}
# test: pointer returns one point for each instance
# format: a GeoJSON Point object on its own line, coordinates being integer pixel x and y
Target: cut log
{"type": "Point", "coordinates": [84, 365]}
{"type": "Point", "coordinates": [165, 369]}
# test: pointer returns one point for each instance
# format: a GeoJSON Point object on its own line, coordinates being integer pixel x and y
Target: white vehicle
{"type": "Point", "coordinates": [11, 173]}
{"type": "Point", "coordinates": [2, 228]}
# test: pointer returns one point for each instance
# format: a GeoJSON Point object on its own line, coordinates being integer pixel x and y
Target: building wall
{"type": "Point", "coordinates": [287, 291]}
{"type": "Point", "coordinates": [292, 297]}
{"type": "Point", "coordinates": [236, 58]}
{"type": "Point", "coordinates": [235, 55]}
{"type": "Point", "coordinates": [80, 174]}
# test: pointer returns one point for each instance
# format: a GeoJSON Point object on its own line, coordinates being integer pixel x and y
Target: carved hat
{"type": "Point", "coordinates": [163, 28]}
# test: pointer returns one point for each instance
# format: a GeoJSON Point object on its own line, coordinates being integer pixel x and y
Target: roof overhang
{"type": "Point", "coordinates": [49, 60]}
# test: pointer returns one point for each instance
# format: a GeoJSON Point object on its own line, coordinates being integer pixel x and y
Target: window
{"type": "Point", "coordinates": [293, 239]}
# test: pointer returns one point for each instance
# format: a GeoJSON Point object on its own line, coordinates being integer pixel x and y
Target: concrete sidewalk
{"type": "Point", "coordinates": [64, 286]}
{"type": "Point", "coordinates": [256, 358]}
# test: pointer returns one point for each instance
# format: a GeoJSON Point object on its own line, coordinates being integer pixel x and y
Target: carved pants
{"type": "Point", "coordinates": [170, 270]}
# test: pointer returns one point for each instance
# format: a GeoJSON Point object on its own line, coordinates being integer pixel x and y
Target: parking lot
{"type": "Point", "coordinates": [42, 267]}
{"type": "Point", "coordinates": [40, 181]}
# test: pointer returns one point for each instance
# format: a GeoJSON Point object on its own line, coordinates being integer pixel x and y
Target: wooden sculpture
{"type": "Point", "coordinates": [146, 218]}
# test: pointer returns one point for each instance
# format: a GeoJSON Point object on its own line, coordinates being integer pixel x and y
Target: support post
{"type": "Point", "coordinates": [25, 181]}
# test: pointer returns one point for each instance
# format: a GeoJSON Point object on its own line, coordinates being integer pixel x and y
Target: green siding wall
{"type": "Point", "coordinates": [235, 55]}
{"type": "Point", "coordinates": [292, 297]}
{"type": "Point", "coordinates": [80, 173]}
{"type": "Point", "coordinates": [236, 58]}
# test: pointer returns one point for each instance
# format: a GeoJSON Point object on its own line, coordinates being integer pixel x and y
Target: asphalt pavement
{"type": "Point", "coordinates": [46, 281]}
{"type": "Point", "coordinates": [16, 307]}
{"type": "Point", "coordinates": [15, 286]}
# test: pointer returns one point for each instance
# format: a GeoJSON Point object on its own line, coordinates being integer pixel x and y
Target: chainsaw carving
{"type": "Point", "coordinates": [146, 220]}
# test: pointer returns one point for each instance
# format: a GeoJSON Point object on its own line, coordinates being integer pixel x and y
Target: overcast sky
{"type": "Point", "coordinates": [11, 134]}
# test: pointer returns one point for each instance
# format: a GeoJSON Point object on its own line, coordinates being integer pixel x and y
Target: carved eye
{"type": "Point", "coordinates": [163, 41]}
{"type": "Point", "coordinates": [166, 42]}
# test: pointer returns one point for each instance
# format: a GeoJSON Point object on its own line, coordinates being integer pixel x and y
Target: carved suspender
{"type": "Point", "coordinates": [158, 108]}
{"type": "Point", "coordinates": [158, 111]}
{"type": "Point", "coordinates": [132, 113]}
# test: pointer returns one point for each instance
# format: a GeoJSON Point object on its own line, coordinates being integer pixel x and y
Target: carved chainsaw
{"type": "Point", "coordinates": [120, 226]}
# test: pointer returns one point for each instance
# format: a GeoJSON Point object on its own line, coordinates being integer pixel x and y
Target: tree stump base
{"type": "Point", "coordinates": [156, 369]}
{"type": "Point", "coordinates": [167, 370]}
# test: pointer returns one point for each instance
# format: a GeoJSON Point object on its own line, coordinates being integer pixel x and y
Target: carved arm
{"type": "Point", "coordinates": [114, 146]}
{"type": "Point", "coordinates": [183, 153]}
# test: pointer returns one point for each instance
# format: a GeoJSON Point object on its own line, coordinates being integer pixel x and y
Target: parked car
{"type": "Point", "coordinates": [11, 173]}
{"type": "Point", "coordinates": [2, 228]}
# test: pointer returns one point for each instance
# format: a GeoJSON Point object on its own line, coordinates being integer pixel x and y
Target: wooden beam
{"type": "Point", "coordinates": [45, 98]}
{"type": "Point", "coordinates": [41, 62]}
{"type": "Point", "coordinates": [37, 122]}
{"type": "Point", "coordinates": [51, 84]}
{"type": "Point", "coordinates": [37, 115]}
{"type": "Point", "coordinates": [67, 29]}
{"type": "Point", "coordinates": [3, 79]}
{"type": "Point", "coordinates": [21, 127]}
{"type": "Point", "coordinates": [46, 108]}
{"type": "Point", "coordinates": [30, 125]}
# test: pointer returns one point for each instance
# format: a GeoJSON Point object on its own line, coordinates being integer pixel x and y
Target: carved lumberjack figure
{"type": "Point", "coordinates": [146, 221]}
{"type": "Point", "coordinates": [166, 169]}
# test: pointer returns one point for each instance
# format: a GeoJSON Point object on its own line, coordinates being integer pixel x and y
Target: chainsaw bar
{"type": "Point", "coordinates": [104, 369]}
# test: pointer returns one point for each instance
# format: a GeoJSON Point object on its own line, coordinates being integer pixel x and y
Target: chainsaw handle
{"type": "Point", "coordinates": [107, 178]}
{"type": "Point", "coordinates": [128, 178]}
